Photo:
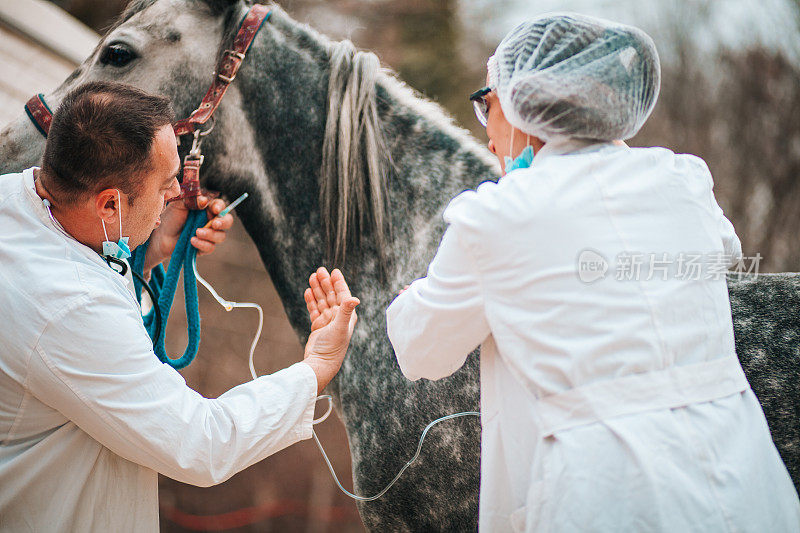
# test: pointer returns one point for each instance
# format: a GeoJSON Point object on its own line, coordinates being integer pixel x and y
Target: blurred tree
{"type": "Point", "coordinates": [425, 51]}
{"type": "Point", "coordinates": [740, 115]}
{"type": "Point", "coordinates": [763, 123]}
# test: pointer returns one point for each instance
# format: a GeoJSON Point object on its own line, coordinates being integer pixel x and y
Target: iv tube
{"type": "Point", "coordinates": [229, 305]}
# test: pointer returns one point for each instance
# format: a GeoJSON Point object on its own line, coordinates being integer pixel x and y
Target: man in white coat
{"type": "Point", "coordinates": [88, 415]}
{"type": "Point", "coordinates": [611, 395]}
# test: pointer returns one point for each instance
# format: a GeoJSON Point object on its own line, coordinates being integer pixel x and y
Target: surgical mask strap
{"type": "Point", "coordinates": [103, 222]}
{"type": "Point", "coordinates": [511, 144]}
{"type": "Point", "coordinates": [523, 160]}
{"type": "Point", "coordinates": [119, 211]}
{"type": "Point", "coordinates": [119, 249]}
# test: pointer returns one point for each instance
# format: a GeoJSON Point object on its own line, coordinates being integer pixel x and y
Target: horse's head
{"type": "Point", "coordinates": [168, 47]}
{"type": "Point", "coordinates": [302, 108]}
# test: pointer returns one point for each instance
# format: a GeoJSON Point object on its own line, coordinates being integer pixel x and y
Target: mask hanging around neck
{"type": "Point", "coordinates": [523, 160]}
{"type": "Point", "coordinates": [119, 249]}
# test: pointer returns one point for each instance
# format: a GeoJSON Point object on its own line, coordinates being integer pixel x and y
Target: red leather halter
{"type": "Point", "coordinates": [39, 113]}
{"type": "Point", "coordinates": [228, 66]}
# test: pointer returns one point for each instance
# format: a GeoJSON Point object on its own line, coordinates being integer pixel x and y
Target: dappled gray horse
{"type": "Point", "coordinates": [338, 154]}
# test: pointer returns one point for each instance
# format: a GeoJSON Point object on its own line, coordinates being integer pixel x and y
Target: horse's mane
{"type": "Point", "coordinates": [133, 7]}
{"type": "Point", "coordinates": [356, 158]}
{"type": "Point", "coordinates": [353, 178]}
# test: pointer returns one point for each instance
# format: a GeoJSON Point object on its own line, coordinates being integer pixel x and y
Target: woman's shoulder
{"type": "Point", "coordinates": [518, 193]}
{"type": "Point", "coordinates": [486, 197]}
{"type": "Point", "coordinates": [689, 167]}
{"type": "Point", "coordinates": [667, 157]}
{"type": "Point", "coordinates": [464, 207]}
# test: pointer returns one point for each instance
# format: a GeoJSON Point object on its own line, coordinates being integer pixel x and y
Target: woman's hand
{"type": "Point", "coordinates": [331, 309]}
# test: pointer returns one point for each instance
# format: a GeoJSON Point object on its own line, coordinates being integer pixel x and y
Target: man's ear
{"type": "Point", "coordinates": [106, 205]}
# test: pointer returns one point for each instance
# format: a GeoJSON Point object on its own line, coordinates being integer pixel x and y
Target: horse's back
{"type": "Point", "coordinates": [766, 324]}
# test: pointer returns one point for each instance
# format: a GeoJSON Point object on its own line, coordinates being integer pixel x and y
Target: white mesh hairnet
{"type": "Point", "coordinates": [569, 75]}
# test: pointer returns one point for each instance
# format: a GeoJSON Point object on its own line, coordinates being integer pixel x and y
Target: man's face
{"type": "Point", "coordinates": [160, 183]}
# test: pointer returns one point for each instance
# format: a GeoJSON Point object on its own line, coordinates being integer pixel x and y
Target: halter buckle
{"type": "Point", "coordinates": [190, 157]}
{"type": "Point", "coordinates": [236, 55]}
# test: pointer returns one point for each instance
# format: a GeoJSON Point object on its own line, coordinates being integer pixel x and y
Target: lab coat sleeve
{"type": "Point", "coordinates": [730, 241]}
{"type": "Point", "coordinates": [440, 319]}
{"type": "Point", "coordinates": [94, 363]}
{"type": "Point", "coordinates": [731, 244]}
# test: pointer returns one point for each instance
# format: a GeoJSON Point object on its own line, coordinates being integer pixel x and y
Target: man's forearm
{"type": "Point", "coordinates": [324, 370]}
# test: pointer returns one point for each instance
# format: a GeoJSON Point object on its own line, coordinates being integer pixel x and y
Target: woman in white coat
{"type": "Point", "coordinates": [592, 277]}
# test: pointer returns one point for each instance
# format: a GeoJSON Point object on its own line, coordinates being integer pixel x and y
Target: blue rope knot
{"type": "Point", "coordinates": [165, 283]}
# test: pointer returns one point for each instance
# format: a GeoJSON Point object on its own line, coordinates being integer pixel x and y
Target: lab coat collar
{"type": "Point", "coordinates": [35, 202]}
{"type": "Point", "coordinates": [565, 145]}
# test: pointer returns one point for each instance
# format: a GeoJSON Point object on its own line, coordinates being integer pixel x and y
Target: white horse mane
{"type": "Point", "coordinates": [356, 157]}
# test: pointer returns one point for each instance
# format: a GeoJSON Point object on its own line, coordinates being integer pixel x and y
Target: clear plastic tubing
{"type": "Point", "coordinates": [229, 305]}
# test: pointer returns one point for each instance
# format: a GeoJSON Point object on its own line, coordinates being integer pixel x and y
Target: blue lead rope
{"type": "Point", "coordinates": [165, 283]}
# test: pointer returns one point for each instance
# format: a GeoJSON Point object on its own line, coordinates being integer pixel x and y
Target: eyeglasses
{"type": "Point", "coordinates": [478, 99]}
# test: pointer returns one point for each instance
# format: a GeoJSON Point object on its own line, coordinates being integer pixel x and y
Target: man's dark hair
{"type": "Point", "coordinates": [101, 137]}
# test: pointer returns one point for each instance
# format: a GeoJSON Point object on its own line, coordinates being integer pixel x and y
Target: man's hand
{"type": "Point", "coordinates": [165, 236]}
{"type": "Point", "coordinates": [331, 309]}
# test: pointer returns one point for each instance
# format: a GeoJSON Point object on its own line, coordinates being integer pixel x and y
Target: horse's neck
{"type": "Point", "coordinates": [432, 162]}
{"type": "Point", "coordinates": [435, 161]}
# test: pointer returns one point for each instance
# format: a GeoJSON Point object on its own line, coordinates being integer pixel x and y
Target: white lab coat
{"type": "Point", "coordinates": [88, 414]}
{"type": "Point", "coordinates": [612, 405]}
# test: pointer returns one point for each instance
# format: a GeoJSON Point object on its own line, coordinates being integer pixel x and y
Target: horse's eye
{"type": "Point", "coordinates": [117, 55]}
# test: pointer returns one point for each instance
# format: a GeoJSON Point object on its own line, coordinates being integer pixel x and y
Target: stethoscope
{"type": "Point", "coordinates": [122, 270]}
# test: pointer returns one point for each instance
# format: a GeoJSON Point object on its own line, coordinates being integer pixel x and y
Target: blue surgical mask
{"type": "Point", "coordinates": [119, 249]}
{"type": "Point", "coordinates": [523, 160]}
